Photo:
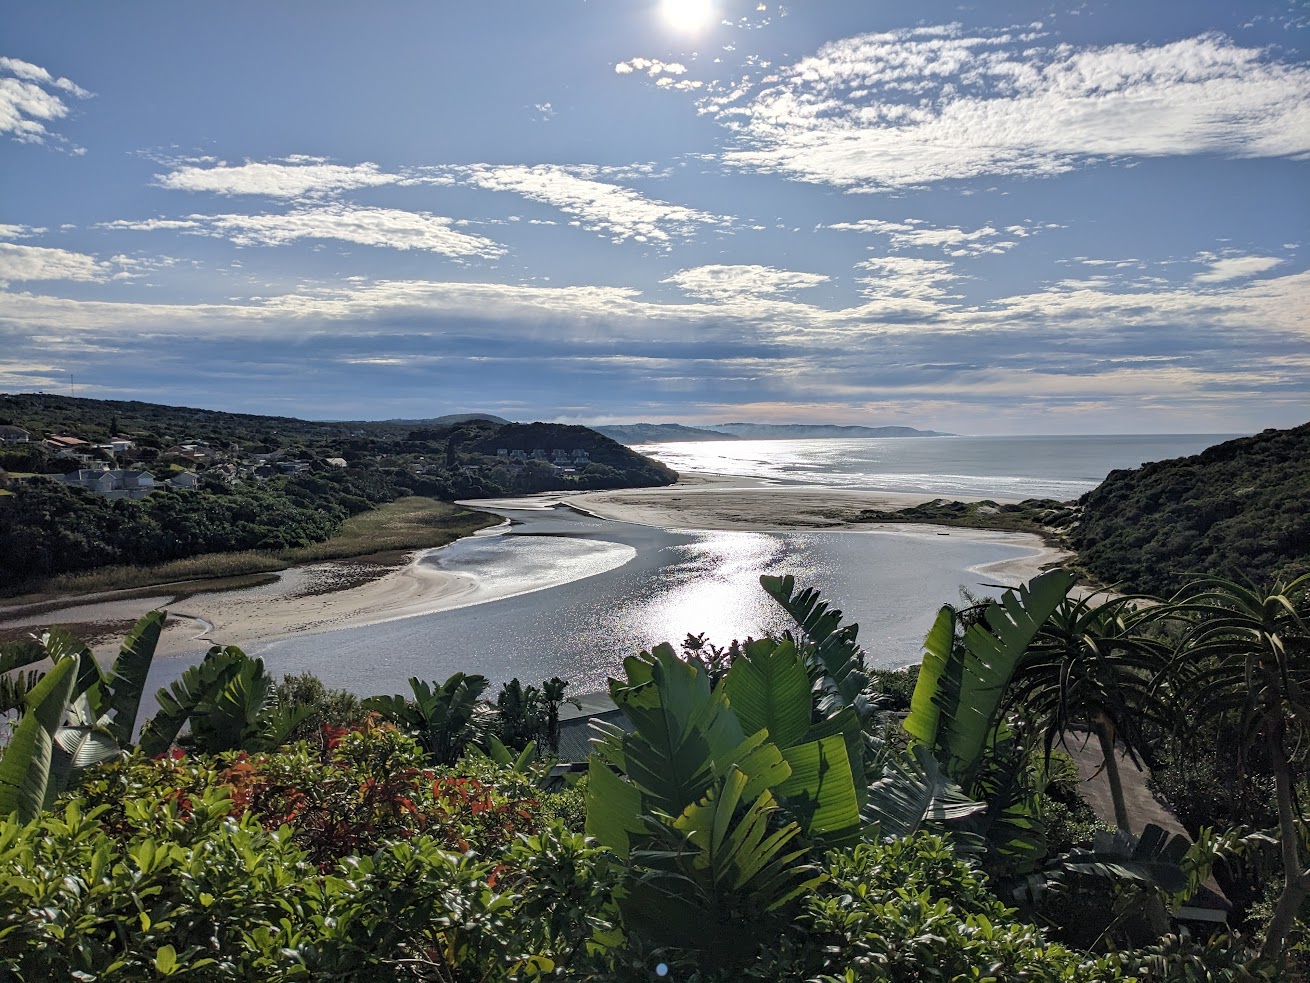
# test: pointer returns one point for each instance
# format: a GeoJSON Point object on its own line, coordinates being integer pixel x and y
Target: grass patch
{"type": "Point", "coordinates": [385, 534]}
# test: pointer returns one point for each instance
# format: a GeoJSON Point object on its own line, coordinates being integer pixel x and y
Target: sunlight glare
{"type": "Point", "coordinates": [687, 15]}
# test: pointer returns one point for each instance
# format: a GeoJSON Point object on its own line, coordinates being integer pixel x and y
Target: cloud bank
{"type": "Point", "coordinates": [917, 107]}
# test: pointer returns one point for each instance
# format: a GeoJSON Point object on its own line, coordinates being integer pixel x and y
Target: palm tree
{"type": "Point", "coordinates": [1247, 659]}
{"type": "Point", "coordinates": [1094, 665]}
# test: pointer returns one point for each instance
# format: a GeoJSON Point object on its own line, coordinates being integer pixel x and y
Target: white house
{"type": "Point", "coordinates": [113, 484]}
{"type": "Point", "coordinates": [14, 435]}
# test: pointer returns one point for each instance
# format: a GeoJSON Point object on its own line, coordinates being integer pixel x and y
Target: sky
{"type": "Point", "coordinates": [1004, 217]}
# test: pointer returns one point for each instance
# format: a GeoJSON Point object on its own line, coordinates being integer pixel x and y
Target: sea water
{"type": "Point", "coordinates": [1059, 467]}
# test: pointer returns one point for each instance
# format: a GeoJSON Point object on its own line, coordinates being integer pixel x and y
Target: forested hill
{"type": "Point", "coordinates": [145, 484]}
{"type": "Point", "coordinates": [1240, 509]}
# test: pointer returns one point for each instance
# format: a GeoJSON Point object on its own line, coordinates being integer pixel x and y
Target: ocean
{"type": "Point", "coordinates": [1053, 466]}
{"type": "Point", "coordinates": [630, 587]}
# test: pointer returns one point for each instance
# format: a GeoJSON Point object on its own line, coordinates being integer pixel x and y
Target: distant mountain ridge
{"type": "Point", "coordinates": [811, 431]}
{"type": "Point", "coordinates": [658, 433]}
{"type": "Point", "coordinates": [451, 418]}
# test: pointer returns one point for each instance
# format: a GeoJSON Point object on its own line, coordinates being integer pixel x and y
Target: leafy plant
{"type": "Point", "coordinates": [702, 806]}
{"type": "Point", "coordinates": [228, 700]}
{"type": "Point", "coordinates": [445, 718]}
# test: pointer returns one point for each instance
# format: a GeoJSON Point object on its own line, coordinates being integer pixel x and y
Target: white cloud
{"type": "Point", "coordinates": [598, 206]}
{"type": "Point", "coordinates": [917, 234]}
{"type": "Point", "coordinates": [19, 231]}
{"type": "Point", "coordinates": [18, 262]}
{"type": "Point", "coordinates": [390, 227]}
{"type": "Point", "coordinates": [651, 66]}
{"type": "Point", "coordinates": [911, 108]}
{"type": "Point", "coordinates": [26, 104]}
{"type": "Point", "coordinates": [1236, 267]}
{"type": "Point", "coordinates": [721, 282]}
{"type": "Point", "coordinates": [294, 177]}
{"type": "Point", "coordinates": [904, 277]}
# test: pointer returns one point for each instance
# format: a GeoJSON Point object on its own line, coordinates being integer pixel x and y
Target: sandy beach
{"type": "Point", "coordinates": [343, 594]}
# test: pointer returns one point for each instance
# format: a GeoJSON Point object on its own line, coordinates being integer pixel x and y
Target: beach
{"type": "Point", "coordinates": [346, 594]}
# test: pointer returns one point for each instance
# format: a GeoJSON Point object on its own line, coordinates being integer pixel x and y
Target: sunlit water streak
{"type": "Point", "coordinates": [1060, 467]}
{"type": "Point", "coordinates": [675, 583]}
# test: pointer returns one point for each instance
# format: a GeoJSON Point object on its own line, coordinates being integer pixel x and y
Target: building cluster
{"type": "Point", "coordinates": [96, 472]}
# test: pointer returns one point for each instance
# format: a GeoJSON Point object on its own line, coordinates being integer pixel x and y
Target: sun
{"type": "Point", "coordinates": [687, 15]}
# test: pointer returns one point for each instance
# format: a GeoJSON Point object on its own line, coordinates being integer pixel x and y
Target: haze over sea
{"type": "Point", "coordinates": [629, 586]}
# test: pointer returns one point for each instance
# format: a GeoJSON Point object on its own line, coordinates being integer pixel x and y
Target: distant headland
{"type": "Point", "coordinates": [659, 433]}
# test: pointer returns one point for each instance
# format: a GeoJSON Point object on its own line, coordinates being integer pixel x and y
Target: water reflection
{"type": "Point", "coordinates": [675, 583]}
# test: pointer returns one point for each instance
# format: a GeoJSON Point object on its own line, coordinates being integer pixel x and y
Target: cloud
{"type": "Point", "coordinates": [294, 177]}
{"type": "Point", "coordinates": [957, 242]}
{"type": "Point", "coordinates": [599, 206]}
{"type": "Point", "coordinates": [19, 231]}
{"type": "Point", "coordinates": [724, 283]}
{"type": "Point", "coordinates": [26, 102]}
{"type": "Point", "coordinates": [22, 263]}
{"type": "Point", "coordinates": [651, 66]}
{"type": "Point", "coordinates": [1235, 267]}
{"type": "Point", "coordinates": [390, 227]}
{"type": "Point", "coordinates": [906, 277]}
{"type": "Point", "coordinates": [916, 107]}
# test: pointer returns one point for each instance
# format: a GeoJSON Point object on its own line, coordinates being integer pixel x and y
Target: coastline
{"type": "Point", "coordinates": [331, 595]}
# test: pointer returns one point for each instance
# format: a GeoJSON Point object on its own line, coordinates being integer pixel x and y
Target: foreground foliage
{"type": "Point", "coordinates": [758, 818]}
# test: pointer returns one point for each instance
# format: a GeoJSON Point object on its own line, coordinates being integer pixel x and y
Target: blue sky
{"type": "Point", "coordinates": [996, 218]}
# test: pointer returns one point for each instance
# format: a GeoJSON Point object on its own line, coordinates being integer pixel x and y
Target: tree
{"type": "Point", "coordinates": [1247, 658]}
{"type": "Point", "coordinates": [1096, 665]}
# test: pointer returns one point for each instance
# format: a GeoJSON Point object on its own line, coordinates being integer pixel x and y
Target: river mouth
{"type": "Point", "coordinates": [672, 583]}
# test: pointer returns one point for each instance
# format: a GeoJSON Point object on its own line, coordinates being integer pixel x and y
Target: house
{"type": "Point", "coordinates": [539, 455]}
{"type": "Point", "coordinates": [560, 456]}
{"type": "Point", "coordinates": [581, 457]}
{"type": "Point", "coordinates": [14, 435]}
{"type": "Point", "coordinates": [336, 462]}
{"type": "Point", "coordinates": [121, 445]}
{"type": "Point", "coordinates": [65, 446]}
{"type": "Point", "coordinates": [112, 483]}
{"type": "Point", "coordinates": [184, 481]}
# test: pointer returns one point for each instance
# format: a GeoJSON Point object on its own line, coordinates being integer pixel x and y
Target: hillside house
{"type": "Point", "coordinates": [14, 435]}
{"type": "Point", "coordinates": [113, 483]}
{"type": "Point", "coordinates": [66, 446]}
{"type": "Point", "coordinates": [184, 481]}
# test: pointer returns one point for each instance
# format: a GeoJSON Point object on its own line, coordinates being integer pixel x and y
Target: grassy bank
{"type": "Point", "coordinates": [382, 533]}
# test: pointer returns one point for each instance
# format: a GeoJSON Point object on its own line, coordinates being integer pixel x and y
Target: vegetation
{"type": "Point", "coordinates": [334, 471]}
{"type": "Point", "coordinates": [1043, 516]}
{"type": "Point", "coordinates": [759, 817]}
{"type": "Point", "coordinates": [1240, 510]}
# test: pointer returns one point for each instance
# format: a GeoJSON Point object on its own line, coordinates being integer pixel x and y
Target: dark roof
{"type": "Point", "coordinates": [575, 734]}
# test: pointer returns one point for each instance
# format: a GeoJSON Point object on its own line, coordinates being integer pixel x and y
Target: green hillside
{"type": "Point", "coordinates": [1239, 509]}
{"type": "Point", "coordinates": [260, 482]}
